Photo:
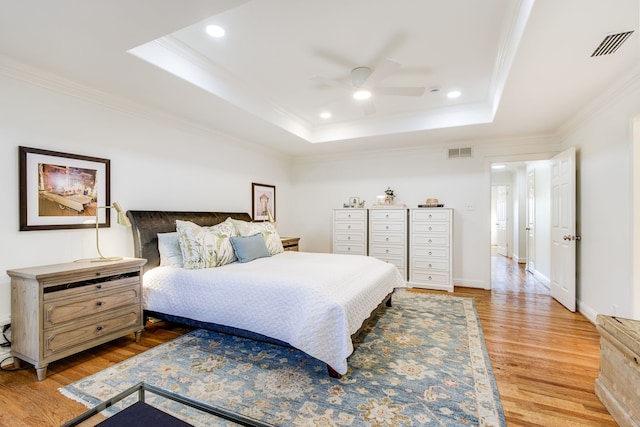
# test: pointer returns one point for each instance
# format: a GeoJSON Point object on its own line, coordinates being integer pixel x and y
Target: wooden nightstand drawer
{"type": "Point", "coordinates": [78, 335]}
{"type": "Point", "coordinates": [72, 309]}
{"type": "Point", "coordinates": [290, 243]}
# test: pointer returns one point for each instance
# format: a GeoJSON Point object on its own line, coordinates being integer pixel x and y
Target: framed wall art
{"type": "Point", "coordinates": [263, 202]}
{"type": "Point", "coordinates": [62, 190]}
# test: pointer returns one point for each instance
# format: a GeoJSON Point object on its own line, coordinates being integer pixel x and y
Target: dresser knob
{"type": "Point", "coordinates": [98, 286]}
{"type": "Point", "coordinates": [429, 240]}
{"type": "Point", "coordinates": [430, 216]}
{"type": "Point", "coordinates": [430, 229]}
{"type": "Point", "coordinates": [430, 266]}
{"type": "Point", "coordinates": [387, 227]}
{"type": "Point", "coordinates": [429, 252]}
{"type": "Point", "coordinates": [348, 237]}
{"type": "Point", "coordinates": [429, 277]}
{"type": "Point", "coordinates": [98, 328]}
{"type": "Point", "coordinates": [348, 226]}
{"type": "Point", "coordinates": [386, 216]}
{"type": "Point", "coordinates": [349, 216]}
{"type": "Point", "coordinates": [387, 239]}
{"type": "Point", "coordinates": [99, 303]}
{"type": "Point", "coordinates": [387, 250]}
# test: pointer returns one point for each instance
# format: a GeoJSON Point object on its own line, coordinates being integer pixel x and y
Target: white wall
{"type": "Point", "coordinates": [156, 163]}
{"type": "Point", "coordinates": [323, 184]}
{"type": "Point", "coordinates": [603, 137]}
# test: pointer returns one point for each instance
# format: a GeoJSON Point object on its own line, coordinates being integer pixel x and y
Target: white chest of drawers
{"type": "Point", "coordinates": [388, 237]}
{"type": "Point", "coordinates": [430, 248]}
{"type": "Point", "coordinates": [350, 231]}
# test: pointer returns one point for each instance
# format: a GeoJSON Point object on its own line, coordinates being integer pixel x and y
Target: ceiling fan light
{"type": "Point", "coordinates": [325, 115]}
{"type": "Point", "coordinates": [361, 94]}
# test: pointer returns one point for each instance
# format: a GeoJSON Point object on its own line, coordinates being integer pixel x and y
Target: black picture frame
{"type": "Point", "coordinates": [62, 190]}
{"type": "Point", "coordinates": [263, 196]}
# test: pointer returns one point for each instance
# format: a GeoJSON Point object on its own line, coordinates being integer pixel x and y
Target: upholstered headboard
{"type": "Point", "coordinates": [147, 224]}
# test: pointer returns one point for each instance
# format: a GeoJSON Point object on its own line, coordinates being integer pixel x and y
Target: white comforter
{"type": "Point", "coordinates": [312, 301]}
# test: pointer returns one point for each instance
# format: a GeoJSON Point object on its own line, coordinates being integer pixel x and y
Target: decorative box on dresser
{"type": "Point", "coordinates": [430, 248]}
{"type": "Point", "coordinates": [388, 236]}
{"type": "Point", "coordinates": [350, 231]}
{"type": "Point", "coordinates": [62, 309]}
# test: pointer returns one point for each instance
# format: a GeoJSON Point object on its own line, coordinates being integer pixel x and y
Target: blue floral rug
{"type": "Point", "coordinates": [422, 362]}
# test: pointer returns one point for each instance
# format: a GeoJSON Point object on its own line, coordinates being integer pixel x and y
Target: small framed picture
{"type": "Point", "coordinates": [263, 201]}
{"type": "Point", "coordinates": [354, 201]}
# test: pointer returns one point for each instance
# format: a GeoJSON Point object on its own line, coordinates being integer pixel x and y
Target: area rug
{"type": "Point", "coordinates": [421, 362]}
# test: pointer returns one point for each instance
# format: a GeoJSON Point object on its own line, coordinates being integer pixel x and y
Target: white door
{"type": "Point", "coordinates": [530, 236]}
{"type": "Point", "coordinates": [502, 193]}
{"type": "Point", "coordinates": [563, 228]}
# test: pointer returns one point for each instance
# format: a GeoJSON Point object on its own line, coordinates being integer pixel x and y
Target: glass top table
{"type": "Point", "coordinates": [140, 413]}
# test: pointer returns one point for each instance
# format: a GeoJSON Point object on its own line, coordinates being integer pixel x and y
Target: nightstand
{"type": "Point", "coordinates": [62, 309]}
{"type": "Point", "coordinates": [290, 243]}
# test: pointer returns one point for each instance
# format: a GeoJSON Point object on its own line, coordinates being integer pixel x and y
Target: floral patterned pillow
{"type": "Point", "coordinates": [268, 230]}
{"type": "Point", "coordinates": [205, 247]}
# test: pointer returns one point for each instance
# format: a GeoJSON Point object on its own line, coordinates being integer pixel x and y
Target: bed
{"type": "Point", "coordinates": [317, 303]}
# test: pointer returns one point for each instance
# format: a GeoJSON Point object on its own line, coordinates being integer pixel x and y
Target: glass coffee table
{"type": "Point", "coordinates": [141, 413]}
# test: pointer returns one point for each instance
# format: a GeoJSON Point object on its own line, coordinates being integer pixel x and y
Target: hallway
{"type": "Point", "coordinates": [509, 276]}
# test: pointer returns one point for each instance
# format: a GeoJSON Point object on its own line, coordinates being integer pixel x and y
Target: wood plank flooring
{"type": "Point", "coordinates": [545, 360]}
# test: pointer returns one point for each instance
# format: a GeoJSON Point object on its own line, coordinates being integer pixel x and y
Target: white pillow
{"type": "Point", "coordinates": [205, 247]}
{"type": "Point", "coordinates": [169, 248]}
{"type": "Point", "coordinates": [268, 230]}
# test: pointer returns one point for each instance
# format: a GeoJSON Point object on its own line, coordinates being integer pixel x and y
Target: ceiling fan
{"type": "Point", "coordinates": [364, 83]}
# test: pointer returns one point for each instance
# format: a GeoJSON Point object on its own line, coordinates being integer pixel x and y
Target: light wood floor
{"type": "Point", "coordinates": [545, 360]}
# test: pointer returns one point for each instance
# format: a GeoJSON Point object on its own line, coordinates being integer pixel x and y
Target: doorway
{"type": "Point", "coordinates": [520, 227]}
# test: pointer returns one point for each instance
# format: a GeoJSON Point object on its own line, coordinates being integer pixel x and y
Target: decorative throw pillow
{"type": "Point", "coordinates": [268, 230]}
{"type": "Point", "coordinates": [249, 248]}
{"type": "Point", "coordinates": [205, 247]}
{"type": "Point", "coordinates": [169, 248]}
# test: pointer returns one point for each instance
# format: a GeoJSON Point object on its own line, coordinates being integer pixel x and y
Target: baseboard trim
{"type": "Point", "coordinates": [468, 283]}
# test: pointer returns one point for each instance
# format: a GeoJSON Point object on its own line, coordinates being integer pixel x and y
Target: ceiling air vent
{"type": "Point", "coordinates": [611, 43]}
{"type": "Point", "coordinates": [456, 153]}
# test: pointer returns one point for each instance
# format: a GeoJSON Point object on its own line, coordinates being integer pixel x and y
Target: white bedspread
{"type": "Point", "coordinates": [312, 301]}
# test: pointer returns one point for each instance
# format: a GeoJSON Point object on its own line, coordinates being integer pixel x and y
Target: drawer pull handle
{"type": "Point", "coordinates": [348, 237]}
{"type": "Point", "coordinates": [348, 249]}
{"type": "Point", "coordinates": [430, 228]}
{"type": "Point", "coordinates": [429, 277]}
{"type": "Point", "coordinates": [386, 216]}
{"type": "Point", "coordinates": [348, 226]}
{"type": "Point", "coordinates": [349, 216]}
{"type": "Point", "coordinates": [387, 239]}
{"type": "Point", "coordinates": [430, 265]}
{"type": "Point", "coordinates": [98, 286]}
{"type": "Point", "coordinates": [99, 303]}
{"type": "Point", "coordinates": [430, 216]}
{"type": "Point", "coordinates": [429, 240]}
{"type": "Point", "coordinates": [387, 227]}
{"type": "Point", "coordinates": [98, 328]}
{"type": "Point", "coordinates": [386, 250]}
{"type": "Point", "coordinates": [430, 253]}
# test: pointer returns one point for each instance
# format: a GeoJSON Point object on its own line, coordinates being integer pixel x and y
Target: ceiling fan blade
{"type": "Point", "coordinates": [367, 107]}
{"type": "Point", "coordinates": [400, 91]}
{"type": "Point", "coordinates": [382, 71]}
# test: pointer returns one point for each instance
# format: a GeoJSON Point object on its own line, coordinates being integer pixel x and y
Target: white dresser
{"type": "Point", "coordinates": [430, 248]}
{"type": "Point", "coordinates": [388, 236]}
{"type": "Point", "coordinates": [350, 231]}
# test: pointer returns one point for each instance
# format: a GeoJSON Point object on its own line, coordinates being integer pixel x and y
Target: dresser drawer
{"type": "Point", "coordinates": [81, 335]}
{"type": "Point", "coordinates": [425, 277]}
{"type": "Point", "coordinates": [73, 289]}
{"type": "Point", "coordinates": [388, 238]}
{"type": "Point", "coordinates": [353, 238]}
{"type": "Point", "coordinates": [349, 226]}
{"type": "Point", "coordinates": [430, 215]}
{"type": "Point", "coordinates": [430, 265]}
{"type": "Point", "coordinates": [353, 215]}
{"type": "Point", "coordinates": [430, 240]}
{"type": "Point", "coordinates": [431, 253]}
{"type": "Point", "coordinates": [430, 227]}
{"type": "Point", "coordinates": [388, 227]}
{"type": "Point", "coordinates": [71, 309]}
{"type": "Point", "coordinates": [388, 215]}
{"type": "Point", "coordinates": [346, 248]}
{"type": "Point", "coordinates": [380, 251]}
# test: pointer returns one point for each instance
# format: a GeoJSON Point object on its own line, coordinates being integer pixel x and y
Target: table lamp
{"type": "Point", "coordinates": [122, 220]}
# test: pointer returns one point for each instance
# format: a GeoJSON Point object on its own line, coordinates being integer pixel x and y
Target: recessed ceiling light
{"type": "Point", "coordinates": [362, 94]}
{"type": "Point", "coordinates": [215, 31]}
{"type": "Point", "coordinates": [325, 115]}
{"type": "Point", "coordinates": [498, 166]}
{"type": "Point", "coordinates": [454, 94]}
